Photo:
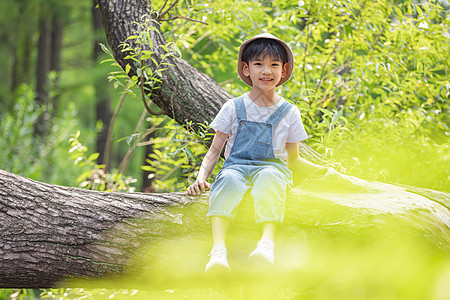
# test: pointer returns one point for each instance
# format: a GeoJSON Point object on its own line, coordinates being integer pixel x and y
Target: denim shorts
{"type": "Point", "coordinates": [269, 191]}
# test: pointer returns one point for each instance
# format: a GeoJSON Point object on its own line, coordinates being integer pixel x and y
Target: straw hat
{"type": "Point", "coordinates": [290, 62]}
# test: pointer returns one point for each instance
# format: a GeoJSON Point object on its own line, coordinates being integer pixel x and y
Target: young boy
{"type": "Point", "coordinates": [263, 131]}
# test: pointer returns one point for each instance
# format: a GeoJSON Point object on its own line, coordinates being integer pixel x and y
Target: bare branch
{"type": "Point", "coordinates": [183, 17]}
{"type": "Point", "coordinates": [107, 151]}
{"type": "Point", "coordinates": [162, 7]}
{"type": "Point", "coordinates": [167, 10]}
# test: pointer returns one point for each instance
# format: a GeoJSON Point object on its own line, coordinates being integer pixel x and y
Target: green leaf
{"type": "Point", "coordinates": [147, 168]}
{"type": "Point", "coordinates": [146, 56]}
{"type": "Point", "coordinates": [189, 154]}
{"type": "Point", "coordinates": [104, 48]}
{"type": "Point", "coordinates": [132, 37]}
{"type": "Point", "coordinates": [177, 50]}
{"type": "Point", "coordinates": [326, 112]}
{"type": "Point", "coordinates": [93, 156]}
{"type": "Point", "coordinates": [336, 117]}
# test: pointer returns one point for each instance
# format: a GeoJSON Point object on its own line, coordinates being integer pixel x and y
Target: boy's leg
{"type": "Point", "coordinates": [269, 194]}
{"type": "Point", "coordinates": [268, 231]}
{"type": "Point", "coordinates": [219, 226]}
{"type": "Point", "coordinates": [226, 194]}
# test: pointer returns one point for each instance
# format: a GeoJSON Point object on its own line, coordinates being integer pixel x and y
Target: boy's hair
{"type": "Point", "coordinates": [262, 47]}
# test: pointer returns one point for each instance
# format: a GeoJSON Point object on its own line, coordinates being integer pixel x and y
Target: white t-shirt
{"type": "Point", "coordinates": [289, 130]}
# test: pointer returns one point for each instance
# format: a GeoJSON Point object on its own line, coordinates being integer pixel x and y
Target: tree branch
{"type": "Point", "coordinates": [107, 151]}
{"type": "Point", "coordinates": [183, 17]}
{"type": "Point", "coordinates": [162, 7]}
{"type": "Point", "coordinates": [167, 10]}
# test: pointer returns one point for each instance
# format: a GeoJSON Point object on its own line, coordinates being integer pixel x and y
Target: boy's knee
{"type": "Point", "coordinates": [230, 178]}
{"type": "Point", "coordinates": [270, 178]}
{"type": "Point", "coordinates": [269, 188]}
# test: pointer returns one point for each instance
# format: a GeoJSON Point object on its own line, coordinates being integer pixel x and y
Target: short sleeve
{"type": "Point", "coordinates": [224, 119]}
{"type": "Point", "coordinates": [297, 132]}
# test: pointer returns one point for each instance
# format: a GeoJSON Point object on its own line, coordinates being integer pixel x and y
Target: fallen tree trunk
{"type": "Point", "coordinates": [51, 233]}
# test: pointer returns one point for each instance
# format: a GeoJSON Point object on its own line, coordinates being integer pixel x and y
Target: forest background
{"type": "Point", "coordinates": [371, 81]}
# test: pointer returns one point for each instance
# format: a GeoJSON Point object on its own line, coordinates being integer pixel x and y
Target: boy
{"type": "Point", "coordinates": [263, 131]}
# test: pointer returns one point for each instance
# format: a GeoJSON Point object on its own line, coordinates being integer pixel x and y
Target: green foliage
{"type": "Point", "coordinates": [387, 75]}
{"type": "Point", "coordinates": [20, 294]}
{"type": "Point", "coordinates": [25, 154]}
{"type": "Point", "coordinates": [93, 176]}
{"type": "Point", "coordinates": [178, 153]}
{"type": "Point", "coordinates": [144, 67]}
{"type": "Point", "coordinates": [68, 294]}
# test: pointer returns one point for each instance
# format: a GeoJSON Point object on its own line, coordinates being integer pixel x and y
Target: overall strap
{"type": "Point", "coordinates": [279, 113]}
{"type": "Point", "coordinates": [240, 108]}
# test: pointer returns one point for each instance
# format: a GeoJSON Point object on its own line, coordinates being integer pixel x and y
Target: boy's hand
{"type": "Point", "coordinates": [198, 187]}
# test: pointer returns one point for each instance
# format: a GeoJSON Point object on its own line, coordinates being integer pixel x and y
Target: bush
{"type": "Point", "coordinates": [31, 156]}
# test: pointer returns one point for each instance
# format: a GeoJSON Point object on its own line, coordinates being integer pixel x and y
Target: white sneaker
{"type": "Point", "coordinates": [218, 261]}
{"type": "Point", "coordinates": [264, 252]}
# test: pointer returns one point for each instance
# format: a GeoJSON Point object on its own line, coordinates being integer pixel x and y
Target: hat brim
{"type": "Point", "coordinates": [290, 62]}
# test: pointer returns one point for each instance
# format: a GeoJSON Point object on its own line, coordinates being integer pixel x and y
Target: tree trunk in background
{"type": "Point", "coordinates": [103, 101]}
{"type": "Point", "coordinates": [51, 27]}
{"type": "Point", "coordinates": [42, 70]}
{"type": "Point", "coordinates": [55, 62]}
{"type": "Point", "coordinates": [103, 114]}
{"type": "Point", "coordinates": [22, 46]}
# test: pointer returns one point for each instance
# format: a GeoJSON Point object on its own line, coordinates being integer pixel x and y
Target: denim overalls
{"type": "Point", "coordinates": [252, 163]}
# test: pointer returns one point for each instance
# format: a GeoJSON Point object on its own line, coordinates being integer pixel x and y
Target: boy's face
{"type": "Point", "coordinates": [265, 73]}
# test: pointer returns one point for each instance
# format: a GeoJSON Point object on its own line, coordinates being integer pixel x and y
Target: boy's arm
{"type": "Point", "coordinates": [301, 167]}
{"type": "Point", "coordinates": [209, 162]}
